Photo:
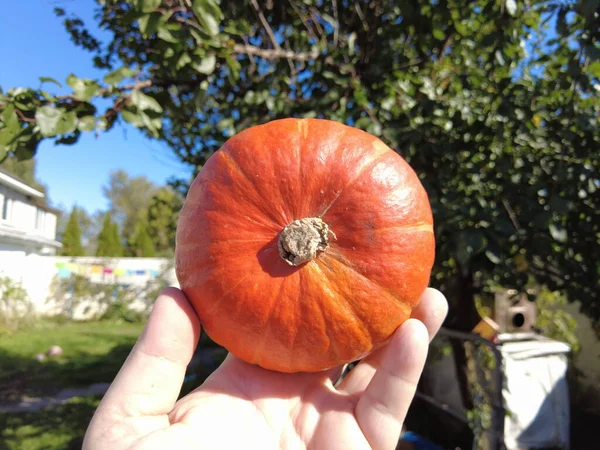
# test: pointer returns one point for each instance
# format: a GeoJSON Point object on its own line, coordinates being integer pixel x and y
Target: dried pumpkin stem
{"type": "Point", "coordinates": [303, 240]}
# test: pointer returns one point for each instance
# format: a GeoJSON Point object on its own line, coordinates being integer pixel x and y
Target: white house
{"type": "Point", "coordinates": [27, 223]}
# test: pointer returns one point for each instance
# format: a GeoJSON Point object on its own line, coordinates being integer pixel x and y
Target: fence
{"type": "Point", "coordinates": [53, 283]}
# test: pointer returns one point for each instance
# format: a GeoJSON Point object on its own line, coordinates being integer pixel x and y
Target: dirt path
{"type": "Point", "coordinates": [28, 404]}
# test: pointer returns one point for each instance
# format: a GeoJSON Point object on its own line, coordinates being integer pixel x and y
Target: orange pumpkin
{"type": "Point", "coordinates": [303, 244]}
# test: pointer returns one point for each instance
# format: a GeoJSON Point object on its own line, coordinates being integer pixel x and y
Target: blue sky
{"type": "Point", "coordinates": [33, 43]}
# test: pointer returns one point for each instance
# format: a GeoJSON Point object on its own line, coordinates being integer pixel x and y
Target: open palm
{"type": "Point", "coordinates": [244, 406]}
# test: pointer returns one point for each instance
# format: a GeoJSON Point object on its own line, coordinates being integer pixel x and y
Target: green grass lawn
{"type": "Point", "coordinates": [92, 353]}
{"type": "Point", "coordinates": [62, 427]}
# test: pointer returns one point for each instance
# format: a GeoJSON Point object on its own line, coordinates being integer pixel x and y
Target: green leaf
{"type": "Point", "coordinates": [83, 88]}
{"type": "Point", "coordinates": [594, 69]}
{"type": "Point", "coordinates": [462, 29]}
{"type": "Point", "coordinates": [439, 34]}
{"type": "Point", "coordinates": [119, 75]}
{"type": "Point", "coordinates": [52, 121]}
{"type": "Point", "coordinates": [152, 125]}
{"type": "Point", "coordinates": [351, 43]}
{"type": "Point", "coordinates": [143, 23]}
{"type": "Point", "coordinates": [47, 119]}
{"type": "Point", "coordinates": [147, 5]}
{"type": "Point", "coordinates": [11, 129]}
{"type": "Point", "coordinates": [558, 232]}
{"type": "Point", "coordinates": [207, 65]}
{"type": "Point", "coordinates": [511, 7]}
{"type": "Point", "coordinates": [212, 6]}
{"type": "Point", "coordinates": [133, 118]}
{"type": "Point", "coordinates": [493, 255]}
{"type": "Point", "coordinates": [145, 102]}
{"type": "Point", "coordinates": [183, 61]}
{"type": "Point", "coordinates": [49, 80]}
{"type": "Point", "coordinates": [499, 57]}
{"type": "Point", "coordinates": [67, 123]}
{"type": "Point", "coordinates": [10, 118]}
{"type": "Point", "coordinates": [205, 10]}
{"type": "Point", "coordinates": [87, 123]}
{"type": "Point", "coordinates": [166, 36]}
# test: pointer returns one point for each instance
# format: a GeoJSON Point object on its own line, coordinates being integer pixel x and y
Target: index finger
{"type": "Point", "coordinates": [382, 407]}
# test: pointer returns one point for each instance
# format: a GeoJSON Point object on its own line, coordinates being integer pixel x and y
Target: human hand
{"type": "Point", "coordinates": [244, 406]}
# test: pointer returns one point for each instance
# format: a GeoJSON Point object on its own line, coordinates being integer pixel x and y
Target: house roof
{"type": "Point", "coordinates": [22, 186]}
{"type": "Point", "coordinates": [18, 184]}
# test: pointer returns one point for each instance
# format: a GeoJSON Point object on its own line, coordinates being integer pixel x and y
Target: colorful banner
{"type": "Point", "coordinates": [64, 273]}
{"type": "Point", "coordinates": [66, 269]}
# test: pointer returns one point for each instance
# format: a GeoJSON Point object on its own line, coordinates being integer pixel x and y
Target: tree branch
{"type": "Point", "coordinates": [269, 31]}
{"type": "Point", "coordinates": [511, 214]}
{"type": "Point", "coordinates": [274, 54]}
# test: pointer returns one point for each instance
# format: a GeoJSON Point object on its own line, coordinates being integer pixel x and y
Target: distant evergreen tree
{"type": "Point", "coordinates": [109, 241]}
{"type": "Point", "coordinates": [141, 244]}
{"type": "Point", "coordinates": [72, 236]}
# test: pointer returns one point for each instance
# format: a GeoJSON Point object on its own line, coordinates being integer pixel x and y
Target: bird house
{"type": "Point", "coordinates": [514, 312]}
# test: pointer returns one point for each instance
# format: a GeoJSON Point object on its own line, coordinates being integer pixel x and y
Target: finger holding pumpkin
{"type": "Point", "coordinates": [431, 311]}
{"type": "Point", "coordinates": [382, 408]}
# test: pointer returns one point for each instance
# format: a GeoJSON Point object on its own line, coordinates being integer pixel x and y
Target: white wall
{"type": "Point", "coordinates": [37, 273]}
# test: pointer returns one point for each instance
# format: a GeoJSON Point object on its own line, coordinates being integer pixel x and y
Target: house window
{"type": "Point", "coordinates": [7, 208]}
{"type": "Point", "coordinates": [39, 219]}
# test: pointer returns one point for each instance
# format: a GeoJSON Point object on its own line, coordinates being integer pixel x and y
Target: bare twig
{"type": "Point", "coordinates": [269, 31]}
{"type": "Point", "coordinates": [313, 15]}
{"type": "Point", "coordinates": [416, 62]}
{"type": "Point", "coordinates": [337, 23]}
{"type": "Point", "coordinates": [445, 47]}
{"type": "Point", "coordinates": [361, 16]}
{"type": "Point", "coordinates": [303, 19]}
{"type": "Point", "coordinates": [274, 54]}
{"type": "Point", "coordinates": [511, 214]}
{"type": "Point", "coordinates": [250, 56]}
{"type": "Point", "coordinates": [23, 118]}
{"type": "Point", "coordinates": [265, 24]}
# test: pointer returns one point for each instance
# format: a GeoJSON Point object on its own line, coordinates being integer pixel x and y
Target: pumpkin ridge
{"type": "Point", "coordinates": [333, 347]}
{"type": "Point", "coordinates": [344, 304]}
{"type": "Point", "coordinates": [376, 159]}
{"type": "Point", "coordinates": [342, 262]}
{"type": "Point", "coordinates": [340, 141]}
{"type": "Point", "coordinates": [303, 132]}
{"type": "Point", "coordinates": [226, 293]}
{"type": "Point", "coordinates": [298, 312]}
{"type": "Point", "coordinates": [253, 203]}
{"type": "Point", "coordinates": [258, 358]}
{"type": "Point", "coordinates": [422, 227]}
{"type": "Point", "coordinates": [197, 245]}
{"type": "Point", "coordinates": [261, 206]}
{"type": "Point", "coordinates": [268, 225]}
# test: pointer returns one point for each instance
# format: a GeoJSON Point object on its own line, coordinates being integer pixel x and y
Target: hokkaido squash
{"type": "Point", "coordinates": [304, 244]}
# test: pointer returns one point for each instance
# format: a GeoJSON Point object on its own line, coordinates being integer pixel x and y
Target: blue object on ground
{"type": "Point", "coordinates": [419, 442]}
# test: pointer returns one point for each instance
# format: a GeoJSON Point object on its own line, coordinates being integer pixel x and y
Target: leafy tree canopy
{"type": "Point", "coordinates": [493, 102]}
{"type": "Point", "coordinates": [129, 198]}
